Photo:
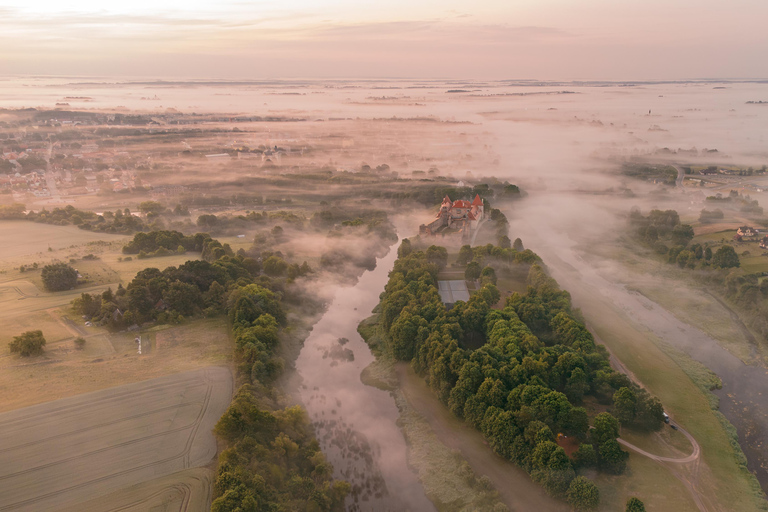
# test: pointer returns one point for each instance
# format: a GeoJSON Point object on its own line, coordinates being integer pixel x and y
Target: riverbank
{"type": "Point", "coordinates": [439, 444]}
{"type": "Point", "coordinates": [720, 482]}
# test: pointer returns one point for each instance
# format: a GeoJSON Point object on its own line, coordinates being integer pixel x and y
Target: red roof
{"type": "Point", "coordinates": [461, 204]}
{"type": "Point", "coordinates": [470, 215]}
{"type": "Point", "coordinates": [477, 201]}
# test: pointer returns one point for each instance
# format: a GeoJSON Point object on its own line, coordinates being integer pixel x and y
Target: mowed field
{"type": "Point", "coordinates": [66, 452]}
{"type": "Point", "coordinates": [24, 238]}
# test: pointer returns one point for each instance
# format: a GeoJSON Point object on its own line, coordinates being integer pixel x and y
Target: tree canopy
{"type": "Point", "coordinates": [28, 344]}
{"type": "Point", "coordinates": [59, 276]}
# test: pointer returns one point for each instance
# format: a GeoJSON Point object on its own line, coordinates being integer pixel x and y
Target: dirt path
{"type": "Point", "coordinates": [681, 460]}
{"type": "Point", "coordinates": [515, 487]}
{"type": "Point", "coordinates": [691, 480]}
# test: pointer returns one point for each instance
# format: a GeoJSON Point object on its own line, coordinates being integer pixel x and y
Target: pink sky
{"type": "Point", "coordinates": [512, 39]}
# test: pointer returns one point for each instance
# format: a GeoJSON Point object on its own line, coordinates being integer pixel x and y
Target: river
{"type": "Point", "coordinates": [356, 424]}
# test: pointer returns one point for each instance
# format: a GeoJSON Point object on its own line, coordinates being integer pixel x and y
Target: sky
{"type": "Point", "coordinates": [455, 39]}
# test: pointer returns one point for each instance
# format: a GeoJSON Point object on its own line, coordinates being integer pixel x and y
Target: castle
{"type": "Point", "coordinates": [456, 217]}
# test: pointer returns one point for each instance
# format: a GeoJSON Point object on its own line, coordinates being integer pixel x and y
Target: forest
{"type": "Point", "coordinates": [524, 372]}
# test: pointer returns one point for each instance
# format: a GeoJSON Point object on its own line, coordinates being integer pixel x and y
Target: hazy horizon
{"type": "Point", "coordinates": [455, 39]}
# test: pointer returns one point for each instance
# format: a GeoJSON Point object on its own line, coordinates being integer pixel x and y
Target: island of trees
{"type": "Point", "coordinates": [521, 372]}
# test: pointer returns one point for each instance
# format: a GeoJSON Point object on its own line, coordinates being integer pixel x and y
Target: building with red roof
{"type": "Point", "coordinates": [456, 217]}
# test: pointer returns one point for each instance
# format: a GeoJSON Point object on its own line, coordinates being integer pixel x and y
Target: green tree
{"type": "Point", "coordinates": [726, 257]}
{"type": "Point", "coordinates": [405, 248]}
{"type": "Point", "coordinates": [585, 456]}
{"type": "Point", "coordinates": [437, 255]}
{"type": "Point", "coordinates": [28, 344]}
{"type": "Point", "coordinates": [634, 505]}
{"type": "Point", "coordinates": [488, 275]}
{"type": "Point", "coordinates": [58, 277]}
{"type": "Point", "coordinates": [606, 428]}
{"type": "Point", "coordinates": [577, 385]}
{"type": "Point", "coordinates": [277, 233]}
{"type": "Point", "coordinates": [505, 242]}
{"type": "Point", "coordinates": [624, 405]}
{"type": "Point", "coordinates": [465, 255]}
{"type": "Point", "coordinates": [612, 458]}
{"type": "Point", "coordinates": [682, 234]}
{"type": "Point", "coordinates": [151, 208]}
{"type": "Point", "coordinates": [517, 244]}
{"type": "Point", "coordinates": [182, 297]}
{"type": "Point", "coordinates": [583, 495]}
{"type": "Point", "coordinates": [275, 266]}
{"type": "Point", "coordinates": [649, 413]}
{"type": "Point", "coordinates": [473, 271]}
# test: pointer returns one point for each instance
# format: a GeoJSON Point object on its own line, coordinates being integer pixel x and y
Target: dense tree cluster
{"type": "Point", "coordinates": [662, 227]}
{"type": "Point", "coordinates": [737, 202]}
{"type": "Point", "coordinates": [160, 243]}
{"type": "Point", "coordinates": [195, 288]}
{"type": "Point", "coordinates": [273, 462]}
{"type": "Point", "coordinates": [518, 374]}
{"type": "Point", "coordinates": [119, 221]}
{"type": "Point", "coordinates": [58, 276]}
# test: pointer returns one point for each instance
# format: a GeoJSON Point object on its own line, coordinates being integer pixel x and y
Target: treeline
{"type": "Point", "coordinates": [429, 194]}
{"type": "Point", "coordinates": [719, 268]}
{"type": "Point", "coordinates": [663, 232]}
{"type": "Point", "coordinates": [665, 174]}
{"type": "Point", "coordinates": [162, 243]}
{"type": "Point", "coordinates": [525, 382]}
{"type": "Point", "coordinates": [118, 222]}
{"type": "Point", "coordinates": [271, 460]}
{"type": "Point", "coordinates": [737, 202]}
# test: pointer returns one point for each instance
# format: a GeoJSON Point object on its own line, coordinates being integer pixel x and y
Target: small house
{"type": "Point", "coordinates": [747, 232]}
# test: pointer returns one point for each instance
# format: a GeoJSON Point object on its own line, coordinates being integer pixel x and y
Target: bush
{"type": "Point", "coordinates": [79, 342]}
{"type": "Point", "coordinates": [583, 494]}
{"type": "Point", "coordinates": [58, 277]}
{"type": "Point", "coordinates": [30, 343]}
{"type": "Point", "coordinates": [635, 505]}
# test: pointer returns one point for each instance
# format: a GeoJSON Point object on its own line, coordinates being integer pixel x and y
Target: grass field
{"type": "Point", "coordinates": [667, 442]}
{"type": "Point", "coordinates": [721, 481]}
{"type": "Point", "coordinates": [24, 238]}
{"type": "Point", "coordinates": [110, 360]}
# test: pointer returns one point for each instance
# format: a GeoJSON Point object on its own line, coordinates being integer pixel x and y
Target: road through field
{"type": "Point", "coordinates": [69, 451]}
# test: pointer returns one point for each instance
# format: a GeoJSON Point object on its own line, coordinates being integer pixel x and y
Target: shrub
{"type": "Point", "coordinates": [30, 343]}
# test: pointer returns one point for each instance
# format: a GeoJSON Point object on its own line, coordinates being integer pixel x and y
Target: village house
{"type": "Point", "coordinates": [764, 243]}
{"type": "Point", "coordinates": [747, 232]}
{"type": "Point", "coordinates": [460, 217]}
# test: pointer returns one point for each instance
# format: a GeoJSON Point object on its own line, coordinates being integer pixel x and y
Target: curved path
{"type": "Point", "coordinates": [689, 480]}
{"type": "Point", "coordinates": [681, 460]}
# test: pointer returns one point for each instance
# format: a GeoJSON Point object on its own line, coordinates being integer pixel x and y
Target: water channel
{"type": "Point", "coordinates": [356, 424]}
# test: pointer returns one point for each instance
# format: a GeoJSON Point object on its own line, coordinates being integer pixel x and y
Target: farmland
{"type": "Point", "coordinates": [65, 452]}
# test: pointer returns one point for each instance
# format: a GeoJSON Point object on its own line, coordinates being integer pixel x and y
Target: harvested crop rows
{"type": "Point", "coordinates": [72, 450]}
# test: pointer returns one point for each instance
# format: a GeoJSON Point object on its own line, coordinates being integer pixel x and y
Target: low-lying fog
{"type": "Point", "coordinates": [562, 143]}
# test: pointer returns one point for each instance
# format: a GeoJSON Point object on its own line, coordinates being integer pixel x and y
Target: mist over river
{"type": "Point", "coordinates": [356, 424]}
